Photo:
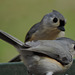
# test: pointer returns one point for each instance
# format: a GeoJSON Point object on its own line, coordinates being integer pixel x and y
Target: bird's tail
{"type": "Point", "coordinates": [10, 39]}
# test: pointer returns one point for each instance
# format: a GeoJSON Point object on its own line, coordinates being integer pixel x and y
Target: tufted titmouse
{"type": "Point", "coordinates": [49, 28]}
{"type": "Point", "coordinates": [44, 57]}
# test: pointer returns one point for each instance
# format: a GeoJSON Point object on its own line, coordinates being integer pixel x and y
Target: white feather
{"type": "Point", "coordinates": [49, 73]}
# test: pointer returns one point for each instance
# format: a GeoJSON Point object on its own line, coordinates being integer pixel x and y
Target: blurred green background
{"type": "Point", "coordinates": [17, 16]}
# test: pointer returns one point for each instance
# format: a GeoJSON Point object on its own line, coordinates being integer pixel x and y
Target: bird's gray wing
{"type": "Point", "coordinates": [56, 52]}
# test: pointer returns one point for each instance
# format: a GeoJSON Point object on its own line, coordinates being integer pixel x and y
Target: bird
{"type": "Point", "coordinates": [49, 28]}
{"type": "Point", "coordinates": [44, 57]}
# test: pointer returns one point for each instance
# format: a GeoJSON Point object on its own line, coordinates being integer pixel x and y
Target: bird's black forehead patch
{"type": "Point", "coordinates": [62, 23]}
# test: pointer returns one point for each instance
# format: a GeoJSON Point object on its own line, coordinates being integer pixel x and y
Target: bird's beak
{"type": "Point", "coordinates": [61, 28]}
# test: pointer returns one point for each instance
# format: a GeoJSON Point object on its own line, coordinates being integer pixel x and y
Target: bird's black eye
{"type": "Point", "coordinates": [55, 20]}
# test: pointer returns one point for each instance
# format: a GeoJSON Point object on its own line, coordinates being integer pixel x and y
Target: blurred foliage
{"type": "Point", "coordinates": [17, 16]}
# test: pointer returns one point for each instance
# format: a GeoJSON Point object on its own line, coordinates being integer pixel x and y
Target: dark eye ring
{"type": "Point", "coordinates": [55, 20]}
